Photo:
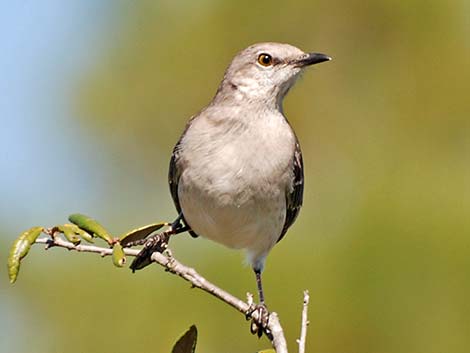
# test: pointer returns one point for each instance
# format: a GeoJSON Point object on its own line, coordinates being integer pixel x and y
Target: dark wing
{"type": "Point", "coordinates": [174, 174]}
{"type": "Point", "coordinates": [295, 197]}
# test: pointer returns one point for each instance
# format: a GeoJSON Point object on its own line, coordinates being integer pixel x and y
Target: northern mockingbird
{"type": "Point", "coordinates": [236, 173]}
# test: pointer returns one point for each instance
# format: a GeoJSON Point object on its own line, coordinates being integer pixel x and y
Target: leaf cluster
{"type": "Point", "coordinates": [81, 228]}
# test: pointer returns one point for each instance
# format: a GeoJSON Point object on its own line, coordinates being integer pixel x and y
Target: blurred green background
{"type": "Point", "coordinates": [93, 96]}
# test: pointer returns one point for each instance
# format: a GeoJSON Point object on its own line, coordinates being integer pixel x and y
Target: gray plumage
{"type": "Point", "coordinates": [236, 173]}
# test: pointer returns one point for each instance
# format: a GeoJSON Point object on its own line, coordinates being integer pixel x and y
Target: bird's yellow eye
{"type": "Point", "coordinates": [265, 59]}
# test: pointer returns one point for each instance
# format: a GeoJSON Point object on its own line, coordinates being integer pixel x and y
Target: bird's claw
{"type": "Point", "coordinates": [154, 243]}
{"type": "Point", "coordinates": [260, 324]}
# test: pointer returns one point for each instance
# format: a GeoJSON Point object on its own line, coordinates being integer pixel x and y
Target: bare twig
{"type": "Point", "coordinates": [303, 329]}
{"type": "Point", "coordinates": [172, 265]}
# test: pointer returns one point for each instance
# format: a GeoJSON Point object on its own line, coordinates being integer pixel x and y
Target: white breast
{"type": "Point", "coordinates": [234, 181]}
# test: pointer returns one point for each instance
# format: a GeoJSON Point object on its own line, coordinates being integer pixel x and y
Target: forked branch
{"type": "Point", "coordinates": [274, 328]}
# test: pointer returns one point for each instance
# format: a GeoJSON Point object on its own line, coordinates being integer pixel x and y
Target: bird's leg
{"type": "Point", "coordinates": [157, 243]}
{"type": "Point", "coordinates": [260, 325]}
{"type": "Point", "coordinates": [260, 287]}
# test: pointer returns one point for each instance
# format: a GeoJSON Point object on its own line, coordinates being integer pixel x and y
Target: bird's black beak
{"type": "Point", "coordinates": [312, 59]}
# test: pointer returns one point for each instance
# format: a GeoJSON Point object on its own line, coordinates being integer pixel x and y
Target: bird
{"type": "Point", "coordinates": [236, 173]}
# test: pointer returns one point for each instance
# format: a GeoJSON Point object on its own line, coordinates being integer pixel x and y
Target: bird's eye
{"type": "Point", "coordinates": [265, 59]}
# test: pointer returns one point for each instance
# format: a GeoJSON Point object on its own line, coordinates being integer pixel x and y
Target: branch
{"type": "Point", "coordinates": [172, 265]}
{"type": "Point", "coordinates": [303, 329]}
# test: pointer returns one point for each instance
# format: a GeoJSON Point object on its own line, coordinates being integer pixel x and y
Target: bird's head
{"type": "Point", "coordinates": [265, 72]}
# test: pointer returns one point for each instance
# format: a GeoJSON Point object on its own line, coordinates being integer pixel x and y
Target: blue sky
{"type": "Point", "coordinates": [45, 46]}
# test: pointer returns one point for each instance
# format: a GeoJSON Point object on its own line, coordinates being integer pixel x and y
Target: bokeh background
{"type": "Point", "coordinates": [93, 96]}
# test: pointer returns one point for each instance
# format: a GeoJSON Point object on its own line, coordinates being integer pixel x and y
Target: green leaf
{"type": "Point", "coordinates": [267, 351]}
{"type": "Point", "coordinates": [140, 233]}
{"type": "Point", "coordinates": [69, 233]}
{"type": "Point", "coordinates": [91, 226]}
{"type": "Point", "coordinates": [187, 342]}
{"type": "Point", "coordinates": [119, 258]}
{"type": "Point", "coordinates": [20, 249]}
{"type": "Point", "coordinates": [84, 235]}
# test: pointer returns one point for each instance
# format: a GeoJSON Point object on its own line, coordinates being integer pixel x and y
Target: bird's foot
{"type": "Point", "coordinates": [154, 243]}
{"type": "Point", "coordinates": [260, 324]}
